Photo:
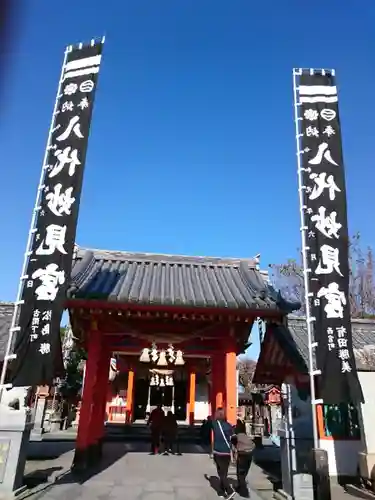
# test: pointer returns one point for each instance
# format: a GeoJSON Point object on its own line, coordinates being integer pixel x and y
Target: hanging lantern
{"type": "Point", "coordinates": [112, 370]}
{"type": "Point", "coordinates": [162, 384]}
{"type": "Point", "coordinates": [171, 353]}
{"type": "Point", "coordinates": [179, 359]}
{"type": "Point", "coordinates": [153, 381]}
{"type": "Point", "coordinates": [156, 379]}
{"type": "Point", "coordinates": [154, 353]}
{"type": "Point", "coordinates": [162, 361]}
{"type": "Point", "coordinates": [145, 356]}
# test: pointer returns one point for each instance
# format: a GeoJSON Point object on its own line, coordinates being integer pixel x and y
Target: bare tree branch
{"type": "Point", "coordinates": [366, 356]}
{"type": "Point", "coordinates": [288, 278]}
{"type": "Point", "coordinates": [246, 368]}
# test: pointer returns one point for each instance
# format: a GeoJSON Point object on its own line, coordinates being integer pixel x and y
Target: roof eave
{"type": "Point", "coordinates": [103, 304]}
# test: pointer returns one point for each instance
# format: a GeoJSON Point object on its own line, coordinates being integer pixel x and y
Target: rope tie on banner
{"type": "Point", "coordinates": [312, 71]}
{"type": "Point", "coordinates": [80, 45]}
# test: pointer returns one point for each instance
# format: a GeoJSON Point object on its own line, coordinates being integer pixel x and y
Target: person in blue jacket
{"type": "Point", "coordinates": [222, 433]}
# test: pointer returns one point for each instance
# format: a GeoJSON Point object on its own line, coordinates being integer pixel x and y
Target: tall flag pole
{"type": "Point", "coordinates": [33, 355]}
{"type": "Point", "coordinates": [325, 241]}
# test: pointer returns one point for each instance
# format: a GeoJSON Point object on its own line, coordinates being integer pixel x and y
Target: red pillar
{"type": "Point", "coordinates": [192, 388]}
{"type": "Point", "coordinates": [231, 383]}
{"type": "Point", "coordinates": [209, 393]}
{"type": "Point", "coordinates": [100, 398]}
{"type": "Point", "coordinates": [218, 381]}
{"type": "Point", "coordinates": [130, 396]}
{"type": "Point", "coordinates": [84, 434]}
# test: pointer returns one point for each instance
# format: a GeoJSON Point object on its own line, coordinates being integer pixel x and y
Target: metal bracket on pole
{"type": "Point", "coordinates": [14, 328]}
{"type": "Point", "coordinates": [309, 319]}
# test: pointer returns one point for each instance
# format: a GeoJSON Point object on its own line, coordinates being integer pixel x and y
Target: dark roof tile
{"type": "Point", "coordinates": [152, 279]}
{"type": "Point", "coordinates": [363, 334]}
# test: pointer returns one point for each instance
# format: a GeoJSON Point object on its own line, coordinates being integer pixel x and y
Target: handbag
{"type": "Point", "coordinates": [232, 456]}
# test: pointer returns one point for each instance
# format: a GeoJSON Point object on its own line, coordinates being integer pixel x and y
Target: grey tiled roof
{"type": "Point", "coordinates": [363, 334]}
{"type": "Point", "coordinates": [6, 312]}
{"type": "Point", "coordinates": [168, 280]}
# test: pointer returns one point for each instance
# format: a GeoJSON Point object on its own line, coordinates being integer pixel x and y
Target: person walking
{"type": "Point", "coordinates": [205, 432]}
{"type": "Point", "coordinates": [222, 433]}
{"type": "Point", "coordinates": [244, 446]}
{"type": "Point", "coordinates": [156, 423]}
{"type": "Point", "coordinates": [169, 432]}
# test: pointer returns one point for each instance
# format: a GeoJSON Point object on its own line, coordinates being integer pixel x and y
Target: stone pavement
{"type": "Point", "coordinates": [128, 471]}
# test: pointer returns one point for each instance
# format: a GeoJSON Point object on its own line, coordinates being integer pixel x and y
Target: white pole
{"type": "Point", "coordinates": [83, 379]}
{"type": "Point", "coordinates": [13, 329]}
{"type": "Point", "coordinates": [306, 270]}
{"type": "Point", "coordinates": [237, 386]}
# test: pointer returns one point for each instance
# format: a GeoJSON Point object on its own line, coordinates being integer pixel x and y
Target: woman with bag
{"type": "Point", "coordinates": [222, 448]}
{"type": "Point", "coordinates": [244, 446]}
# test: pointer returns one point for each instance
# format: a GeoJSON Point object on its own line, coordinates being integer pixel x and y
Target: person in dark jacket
{"type": "Point", "coordinates": [205, 431]}
{"type": "Point", "coordinates": [156, 423]}
{"type": "Point", "coordinates": [170, 429]}
{"type": "Point", "coordinates": [244, 446]}
{"type": "Point", "coordinates": [222, 433]}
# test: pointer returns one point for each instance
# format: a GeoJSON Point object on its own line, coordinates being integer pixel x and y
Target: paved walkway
{"type": "Point", "coordinates": [129, 472]}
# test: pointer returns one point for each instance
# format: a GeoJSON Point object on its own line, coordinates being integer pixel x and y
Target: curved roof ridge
{"type": "Point", "coordinates": [193, 259]}
{"type": "Point", "coordinates": [172, 280]}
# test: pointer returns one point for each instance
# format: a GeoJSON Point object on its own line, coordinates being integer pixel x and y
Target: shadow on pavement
{"type": "Point", "coordinates": [41, 480]}
{"type": "Point", "coordinates": [40, 476]}
{"type": "Point", "coordinates": [215, 483]}
{"type": "Point", "coordinates": [111, 454]}
{"type": "Point", "coordinates": [267, 458]}
{"type": "Point", "coordinates": [48, 450]}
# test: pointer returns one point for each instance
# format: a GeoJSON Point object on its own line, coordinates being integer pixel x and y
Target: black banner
{"type": "Point", "coordinates": [38, 343]}
{"type": "Point", "coordinates": [325, 210]}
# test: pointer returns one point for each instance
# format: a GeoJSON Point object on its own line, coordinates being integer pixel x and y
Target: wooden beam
{"type": "Point", "coordinates": [177, 312]}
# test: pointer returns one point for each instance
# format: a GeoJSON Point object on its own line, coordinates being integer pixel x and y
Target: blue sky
{"type": "Point", "coordinates": [192, 147]}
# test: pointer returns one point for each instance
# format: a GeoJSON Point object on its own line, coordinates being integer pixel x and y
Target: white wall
{"type": "Point", "coordinates": [201, 400]}
{"type": "Point", "coordinates": [367, 380]}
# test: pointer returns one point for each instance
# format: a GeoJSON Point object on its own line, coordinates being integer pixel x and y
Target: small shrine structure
{"type": "Point", "coordinates": [344, 430]}
{"type": "Point", "coordinates": [260, 406]}
{"type": "Point", "coordinates": [175, 326]}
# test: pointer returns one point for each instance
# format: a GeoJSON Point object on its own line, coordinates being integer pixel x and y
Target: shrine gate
{"type": "Point", "coordinates": [171, 318]}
